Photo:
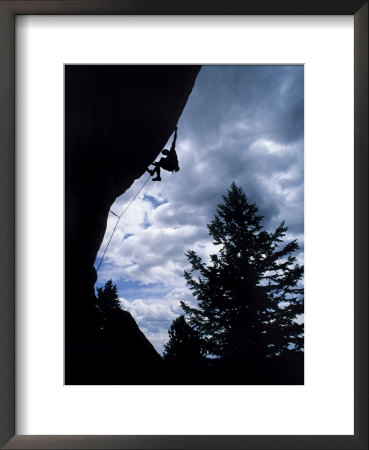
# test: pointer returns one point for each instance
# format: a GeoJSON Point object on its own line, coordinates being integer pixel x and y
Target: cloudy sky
{"type": "Point", "coordinates": [242, 124]}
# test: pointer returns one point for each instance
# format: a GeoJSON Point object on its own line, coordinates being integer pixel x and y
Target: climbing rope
{"type": "Point", "coordinates": [118, 219]}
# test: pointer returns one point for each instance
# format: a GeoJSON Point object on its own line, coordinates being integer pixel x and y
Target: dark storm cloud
{"type": "Point", "coordinates": [271, 98]}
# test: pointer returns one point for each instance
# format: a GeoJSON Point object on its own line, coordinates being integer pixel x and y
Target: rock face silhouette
{"type": "Point", "coordinates": [117, 120]}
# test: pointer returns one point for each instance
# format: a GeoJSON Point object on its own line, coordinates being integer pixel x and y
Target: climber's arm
{"type": "Point", "coordinates": [174, 141]}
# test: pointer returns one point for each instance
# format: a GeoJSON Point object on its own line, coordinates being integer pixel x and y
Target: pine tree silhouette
{"type": "Point", "coordinates": [184, 346]}
{"type": "Point", "coordinates": [249, 296]}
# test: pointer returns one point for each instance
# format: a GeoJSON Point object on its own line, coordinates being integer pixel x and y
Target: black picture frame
{"type": "Point", "coordinates": [8, 12]}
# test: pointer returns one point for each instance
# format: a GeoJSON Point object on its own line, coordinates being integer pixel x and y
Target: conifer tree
{"type": "Point", "coordinates": [108, 303]}
{"type": "Point", "coordinates": [249, 297]}
{"type": "Point", "coordinates": [184, 344]}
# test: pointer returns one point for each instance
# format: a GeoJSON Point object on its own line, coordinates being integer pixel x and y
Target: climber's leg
{"type": "Point", "coordinates": [157, 178]}
{"type": "Point", "coordinates": [157, 171]}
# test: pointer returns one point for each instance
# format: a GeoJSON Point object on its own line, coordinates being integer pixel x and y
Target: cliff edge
{"type": "Point", "coordinates": [117, 120]}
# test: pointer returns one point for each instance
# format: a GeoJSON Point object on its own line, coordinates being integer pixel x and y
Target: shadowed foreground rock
{"type": "Point", "coordinates": [117, 120]}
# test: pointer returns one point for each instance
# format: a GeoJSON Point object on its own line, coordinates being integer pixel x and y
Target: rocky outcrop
{"type": "Point", "coordinates": [117, 120]}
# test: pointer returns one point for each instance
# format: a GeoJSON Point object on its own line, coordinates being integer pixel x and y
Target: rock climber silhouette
{"type": "Point", "coordinates": [169, 163]}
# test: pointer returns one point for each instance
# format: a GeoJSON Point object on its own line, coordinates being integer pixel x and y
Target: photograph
{"type": "Point", "coordinates": [184, 224]}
